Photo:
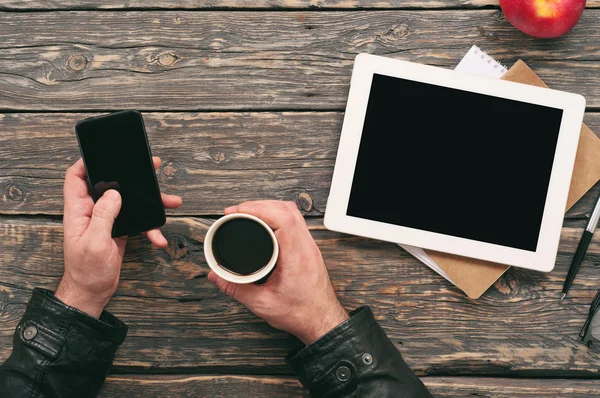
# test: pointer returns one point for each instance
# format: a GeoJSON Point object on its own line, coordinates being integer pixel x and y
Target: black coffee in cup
{"type": "Point", "coordinates": [242, 246]}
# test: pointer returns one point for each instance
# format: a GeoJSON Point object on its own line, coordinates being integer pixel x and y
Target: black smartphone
{"type": "Point", "coordinates": [117, 155]}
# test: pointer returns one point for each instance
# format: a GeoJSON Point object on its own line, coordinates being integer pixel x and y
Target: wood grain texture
{"type": "Point", "coordinates": [201, 386]}
{"type": "Point", "coordinates": [213, 160]}
{"type": "Point", "coordinates": [178, 60]}
{"type": "Point", "coordinates": [241, 4]}
{"type": "Point", "coordinates": [464, 387]}
{"type": "Point", "coordinates": [260, 4]}
{"type": "Point", "coordinates": [180, 323]}
{"type": "Point", "coordinates": [276, 387]}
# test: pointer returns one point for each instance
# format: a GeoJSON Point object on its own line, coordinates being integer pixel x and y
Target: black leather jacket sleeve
{"type": "Point", "coordinates": [59, 351]}
{"type": "Point", "coordinates": [356, 359]}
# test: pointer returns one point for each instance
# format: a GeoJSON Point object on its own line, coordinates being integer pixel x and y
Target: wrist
{"type": "Point", "coordinates": [79, 300]}
{"type": "Point", "coordinates": [322, 323]}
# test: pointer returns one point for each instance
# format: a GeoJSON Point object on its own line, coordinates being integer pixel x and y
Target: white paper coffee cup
{"type": "Point", "coordinates": [224, 272]}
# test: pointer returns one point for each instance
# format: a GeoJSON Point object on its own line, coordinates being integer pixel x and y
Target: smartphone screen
{"type": "Point", "coordinates": [117, 156]}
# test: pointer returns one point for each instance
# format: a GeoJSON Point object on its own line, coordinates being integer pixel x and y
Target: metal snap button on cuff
{"type": "Point", "coordinates": [343, 373]}
{"type": "Point", "coordinates": [367, 359]}
{"type": "Point", "coordinates": [30, 332]}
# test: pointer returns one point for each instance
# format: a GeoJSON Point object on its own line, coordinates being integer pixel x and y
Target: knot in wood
{"type": "Point", "coordinates": [77, 62]}
{"type": "Point", "coordinates": [398, 31]}
{"type": "Point", "coordinates": [489, 35]}
{"type": "Point", "coordinates": [506, 285]}
{"type": "Point", "coordinates": [178, 246]}
{"type": "Point", "coordinates": [167, 59]}
{"type": "Point", "coordinates": [304, 201]}
{"type": "Point", "coordinates": [219, 157]}
{"type": "Point", "coordinates": [259, 150]}
{"type": "Point", "coordinates": [15, 193]}
{"type": "Point", "coordinates": [169, 170]}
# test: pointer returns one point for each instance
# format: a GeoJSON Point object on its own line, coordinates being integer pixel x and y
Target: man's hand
{"type": "Point", "coordinates": [298, 297]}
{"type": "Point", "coordinates": [92, 257]}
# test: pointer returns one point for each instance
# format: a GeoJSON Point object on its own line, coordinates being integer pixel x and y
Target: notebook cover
{"type": "Point", "coordinates": [473, 276]}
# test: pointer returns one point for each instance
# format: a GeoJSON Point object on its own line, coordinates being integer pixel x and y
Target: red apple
{"type": "Point", "coordinates": [543, 18]}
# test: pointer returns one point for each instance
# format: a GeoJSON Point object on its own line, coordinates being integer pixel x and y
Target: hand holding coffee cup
{"type": "Point", "coordinates": [298, 297]}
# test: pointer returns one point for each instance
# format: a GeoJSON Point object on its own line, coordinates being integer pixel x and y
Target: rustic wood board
{"type": "Point", "coordinates": [201, 386]}
{"type": "Point", "coordinates": [178, 60]}
{"type": "Point", "coordinates": [276, 387]}
{"type": "Point", "coordinates": [180, 323]}
{"type": "Point", "coordinates": [464, 387]}
{"type": "Point", "coordinates": [213, 160]}
{"type": "Point", "coordinates": [259, 4]}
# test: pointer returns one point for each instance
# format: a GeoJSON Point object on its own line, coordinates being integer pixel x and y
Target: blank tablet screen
{"type": "Point", "coordinates": [454, 162]}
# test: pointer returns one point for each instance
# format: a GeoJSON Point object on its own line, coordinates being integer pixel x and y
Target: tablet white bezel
{"type": "Point", "coordinates": [544, 257]}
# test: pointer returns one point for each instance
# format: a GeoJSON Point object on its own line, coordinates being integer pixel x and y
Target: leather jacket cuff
{"type": "Point", "coordinates": [47, 320]}
{"type": "Point", "coordinates": [334, 362]}
{"type": "Point", "coordinates": [356, 358]}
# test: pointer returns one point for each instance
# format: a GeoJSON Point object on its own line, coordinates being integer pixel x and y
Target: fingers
{"type": "Point", "coordinates": [276, 214]}
{"type": "Point", "coordinates": [78, 202]}
{"type": "Point", "coordinates": [156, 162]}
{"type": "Point", "coordinates": [171, 201]}
{"type": "Point", "coordinates": [77, 169]}
{"type": "Point", "coordinates": [75, 187]}
{"type": "Point", "coordinates": [102, 186]}
{"type": "Point", "coordinates": [242, 293]}
{"type": "Point", "coordinates": [291, 205]}
{"type": "Point", "coordinates": [104, 213]}
{"type": "Point", "coordinates": [157, 238]}
{"type": "Point", "coordinates": [231, 210]}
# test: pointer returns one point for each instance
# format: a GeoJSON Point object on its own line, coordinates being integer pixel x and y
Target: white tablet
{"type": "Point", "coordinates": [454, 162]}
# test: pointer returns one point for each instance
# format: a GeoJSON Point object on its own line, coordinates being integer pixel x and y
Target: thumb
{"type": "Point", "coordinates": [105, 211]}
{"type": "Point", "coordinates": [244, 293]}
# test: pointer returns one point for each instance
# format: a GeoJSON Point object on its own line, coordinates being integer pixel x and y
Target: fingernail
{"type": "Point", "coordinates": [111, 195]}
{"type": "Point", "coordinates": [230, 209]}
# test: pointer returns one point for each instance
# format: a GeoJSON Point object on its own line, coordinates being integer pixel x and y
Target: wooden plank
{"type": "Point", "coordinates": [213, 160]}
{"type": "Point", "coordinates": [226, 157]}
{"type": "Point", "coordinates": [457, 387]}
{"type": "Point", "coordinates": [180, 323]}
{"type": "Point", "coordinates": [177, 60]}
{"type": "Point", "coordinates": [201, 386]}
{"type": "Point", "coordinates": [255, 386]}
{"type": "Point", "coordinates": [259, 4]}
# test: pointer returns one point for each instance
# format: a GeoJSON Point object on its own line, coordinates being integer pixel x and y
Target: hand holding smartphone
{"type": "Point", "coordinates": [117, 156]}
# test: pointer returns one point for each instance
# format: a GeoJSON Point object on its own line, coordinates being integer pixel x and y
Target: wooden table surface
{"type": "Point", "coordinates": [244, 100]}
